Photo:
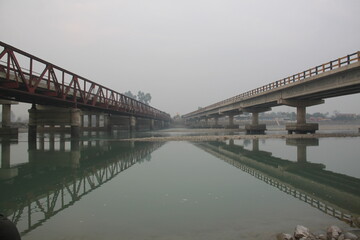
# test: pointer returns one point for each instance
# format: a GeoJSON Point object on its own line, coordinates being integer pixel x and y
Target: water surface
{"type": "Point", "coordinates": [100, 188]}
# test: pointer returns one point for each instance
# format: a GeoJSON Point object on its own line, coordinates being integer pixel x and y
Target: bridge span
{"type": "Point", "coordinates": [332, 79]}
{"type": "Point", "coordinates": [66, 95]}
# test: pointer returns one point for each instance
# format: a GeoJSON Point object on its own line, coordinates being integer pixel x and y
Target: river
{"type": "Point", "coordinates": [101, 188]}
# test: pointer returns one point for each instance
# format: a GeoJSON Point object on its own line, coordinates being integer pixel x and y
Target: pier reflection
{"type": "Point", "coordinates": [59, 172]}
{"type": "Point", "coordinates": [335, 194]}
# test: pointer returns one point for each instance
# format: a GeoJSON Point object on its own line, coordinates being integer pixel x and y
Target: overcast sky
{"type": "Point", "coordinates": [186, 53]}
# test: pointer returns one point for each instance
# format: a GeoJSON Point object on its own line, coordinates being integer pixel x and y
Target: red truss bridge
{"type": "Point", "coordinates": [26, 78]}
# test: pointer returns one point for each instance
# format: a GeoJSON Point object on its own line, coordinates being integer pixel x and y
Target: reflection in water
{"type": "Point", "coordinates": [335, 194]}
{"type": "Point", "coordinates": [59, 173]}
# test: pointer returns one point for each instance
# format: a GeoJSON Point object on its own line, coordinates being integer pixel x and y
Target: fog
{"type": "Point", "coordinates": [186, 53]}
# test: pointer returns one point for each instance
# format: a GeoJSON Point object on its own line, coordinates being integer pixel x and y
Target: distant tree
{"type": "Point", "coordinates": [144, 97]}
{"type": "Point", "coordinates": [141, 96]}
{"type": "Point", "coordinates": [130, 94]}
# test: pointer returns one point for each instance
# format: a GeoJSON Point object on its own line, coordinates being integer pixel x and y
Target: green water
{"type": "Point", "coordinates": [101, 188]}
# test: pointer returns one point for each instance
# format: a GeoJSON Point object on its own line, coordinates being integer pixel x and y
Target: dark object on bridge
{"type": "Point", "coordinates": [8, 230]}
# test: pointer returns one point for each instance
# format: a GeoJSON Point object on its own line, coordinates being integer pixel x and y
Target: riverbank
{"type": "Point", "coordinates": [227, 137]}
{"type": "Point", "coordinates": [331, 233]}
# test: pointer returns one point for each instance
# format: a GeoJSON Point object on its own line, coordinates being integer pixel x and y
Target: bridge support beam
{"type": "Point", "coordinates": [301, 127]}
{"type": "Point", "coordinates": [255, 127]}
{"type": "Point", "coordinates": [6, 128]}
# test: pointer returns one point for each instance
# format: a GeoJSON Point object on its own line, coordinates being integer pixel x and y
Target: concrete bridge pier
{"type": "Point", "coordinates": [114, 121]}
{"type": "Point", "coordinates": [93, 121]}
{"type": "Point", "coordinates": [107, 123]}
{"type": "Point", "coordinates": [97, 117]}
{"type": "Point", "coordinates": [206, 123]}
{"type": "Point", "coordinates": [255, 145]}
{"type": "Point", "coordinates": [301, 127]}
{"type": "Point", "coordinates": [143, 124]}
{"type": "Point", "coordinates": [6, 128]}
{"type": "Point", "coordinates": [301, 149]}
{"type": "Point", "coordinates": [231, 122]}
{"type": "Point", "coordinates": [132, 123]}
{"type": "Point", "coordinates": [6, 172]}
{"type": "Point", "coordinates": [152, 124]}
{"type": "Point", "coordinates": [41, 116]}
{"type": "Point", "coordinates": [216, 122]}
{"type": "Point", "coordinates": [255, 127]}
{"type": "Point", "coordinates": [90, 121]}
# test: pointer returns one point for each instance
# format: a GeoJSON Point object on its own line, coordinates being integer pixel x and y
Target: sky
{"type": "Point", "coordinates": [186, 53]}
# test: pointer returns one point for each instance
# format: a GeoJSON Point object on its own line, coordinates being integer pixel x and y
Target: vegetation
{"type": "Point", "coordinates": [141, 96]}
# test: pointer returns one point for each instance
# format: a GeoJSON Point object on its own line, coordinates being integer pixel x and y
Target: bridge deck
{"type": "Point", "coordinates": [335, 78]}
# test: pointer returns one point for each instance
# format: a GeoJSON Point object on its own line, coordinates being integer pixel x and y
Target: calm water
{"type": "Point", "coordinates": [101, 188]}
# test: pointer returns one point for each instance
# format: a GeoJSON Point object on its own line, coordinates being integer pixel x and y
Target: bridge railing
{"type": "Point", "coordinates": [24, 72]}
{"type": "Point", "coordinates": [340, 62]}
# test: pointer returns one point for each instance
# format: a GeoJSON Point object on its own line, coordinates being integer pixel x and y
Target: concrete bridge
{"type": "Point", "coordinates": [61, 98]}
{"type": "Point", "coordinates": [71, 172]}
{"type": "Point", "coordinates": [335, 78]}
{"type": "Point", "coordinates": [335, 194]}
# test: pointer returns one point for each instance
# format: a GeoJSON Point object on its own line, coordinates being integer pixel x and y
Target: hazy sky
{"type": "Point", "coordinates": [186, 53]}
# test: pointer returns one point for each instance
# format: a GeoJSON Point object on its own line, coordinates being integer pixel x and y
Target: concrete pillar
{"type": "Point", "coordinates": [133, 123]}
{"type": "Point", "coordinates": [255, 145]}
{"type": "Point", "coordinates": [6, 128]}
{"type": "Point", "coordinates": [6, 115]}
{"type": "Point", "coordinates": [301, 115]}
{"type": "Point", "coordinates": [90, 121]}
{"type": "Point", "coordinates": [255, 127]}
{"type": "Point", "coordinates": [97, 120]}
{"type": "Point", "coordinates": [216, 122]}
{"type": "Point", "coordinates": [62, 142]}
{"type": "Point", "coordinates": [107, 122]}
{"type": "Point", "coordinates": [82, 120]}
{"type": "Point", "coordinates": [51, 142]}
{"type": "Point", "coordinates": [206, 122]}
{"type": "Point", "coordinates": [75, 122]}
{"type": "Point", "coordinates": [152, 124]}
{"type": "Point", "coordinates": [301, 147]}
{"type": "Point", "coordinates": [6, 172]}
{"type": "Point", "coordinates": [5, 154]}
{"type": "Point", "coordinates": [301, 153]}
{"type": "Point", "coordinates": [32, 126]}
{"type": "Point", "coordinates": [301, 127]}
{"type": "Point", "coordinates": [231, 120]}
{"type": "Point", "coordinates": [255, 118]}
{"type": "Point", "coordinates": [41, 142]}
{"type": "Point", "coordinates": [75, 154]}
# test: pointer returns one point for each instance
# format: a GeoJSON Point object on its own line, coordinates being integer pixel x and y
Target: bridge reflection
{"type": "Point", "coordinates": [59, 173]}
{"type": "Point", "coordinates": [335, 194]}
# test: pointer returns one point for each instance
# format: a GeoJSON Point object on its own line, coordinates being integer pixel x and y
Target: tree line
{"type": "Point", "coordinates": [141, 96]}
